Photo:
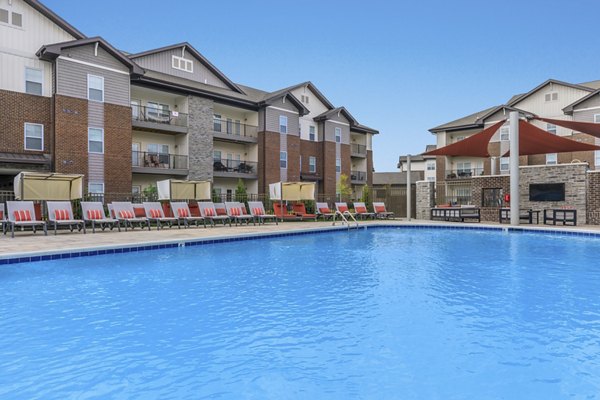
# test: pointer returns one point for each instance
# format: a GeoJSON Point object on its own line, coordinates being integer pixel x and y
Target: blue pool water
{"type": "Point", "coordinates": [383, 313]}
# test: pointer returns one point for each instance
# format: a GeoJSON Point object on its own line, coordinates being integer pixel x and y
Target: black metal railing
{"type": "Point", "coordinates": [159, 116]}
{"type": "Point", "coordinates": [358, 149]}
{"type": "Point", "coordinates": [234, 128]}
{"type": "Point", "coordinates": [358, 176]}
{"type": "Point", "coordinates": [464, 173]}
{"type": "Point", "coordinates": [242, 167]}
{"type": "Point", "coordinates": [146, 159]}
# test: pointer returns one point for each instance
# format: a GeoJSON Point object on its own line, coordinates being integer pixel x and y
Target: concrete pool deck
{"type": "Point", "coordinates": [29, 244]}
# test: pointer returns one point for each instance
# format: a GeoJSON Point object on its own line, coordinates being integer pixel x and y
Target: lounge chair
{"type": "Point", "coordinates": [125, 213]}
{"type": "Point", "coordinates": [300, 209]}
{"type": "Point", "coordinates": [155, 213]}
{"type": "Point", "coordinates": [221, 208]}
{"type": "Point", "coordinates": [237, 212]}
{"type": "Point", "coordinates": [281, 212]}
{"type": "Point", "coordinates": [60, 213]}
{"type": "Point", "coordinates": [207, 210]}
{"type": "Point", "coordinates": [381, 212]}
{"type": "Point", "coordinates": [182, 212]}
{"type": "Point", "coordinates": [257, 210]}
{"type": "Point", "coordinates": [324, 211]}
{"type": "Point", "coordinates": [22, 214]}
{"type": "Point", "coordinates": [3, 220]}
{"type": "Point", "coordinates": [342, 208]}
{"type": "Point", "coordinates": [93, 213]}
{"type": "Point", "coordinates": [361, 211]}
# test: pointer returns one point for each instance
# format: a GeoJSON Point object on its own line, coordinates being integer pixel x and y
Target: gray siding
{"type": "Point", "coordinates": [285, 104]}
{"type": "Point", "coordinates": [593, 101]}
{"type": "Point", "coordinates": [95, 114]}
{"type": "Point", "coordinates": [283, 147]}
{"type": "Point", "coordinates": [273, 121]}
{"type": "Point", "coordinates": [86, 53]}
{"type": "Point", "coordinates": [72, 81]}
{"type": "Point", "coordinates": [95, 168]}
{"type": "Point", "coordinates": [329, 132]}
{"type": "Point", "coordinates": [585, 115]}
{"type": "Point", "coordinates": [163, 62]}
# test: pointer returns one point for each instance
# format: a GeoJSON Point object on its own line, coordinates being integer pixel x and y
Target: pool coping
{"type": "Point", "coordinates": [87, 251]}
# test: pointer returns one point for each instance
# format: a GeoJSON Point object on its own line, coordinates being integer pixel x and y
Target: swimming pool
{"type": "Point", "coordinates": [381, 313]}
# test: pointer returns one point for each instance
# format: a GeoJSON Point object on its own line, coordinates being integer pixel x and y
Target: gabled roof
{"type": "Point", "coordinates": [52, 51]}
{"type": "Point", "coordinates": [339, 110]}
{"type": "Point", "coordinates": [517, 99]}
{"type": "Point", "coordinates": [477, 119]}
{"type": "Point", "coordinates": [46, 12]}
{"type": "Point", "coordinates": [591, 84]}
{"type": "Point", "coordinates": [198, 56]}
{"type": "Point", "coordinates": [270, 100]}
{"type": "Point", "coordinates": [569, 109]}
{"type": "Point", "coordinates": [360, 128]}
{"type": "Point", "coordinates": [313, 88]}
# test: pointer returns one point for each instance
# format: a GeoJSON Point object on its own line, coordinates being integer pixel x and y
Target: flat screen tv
{"type": "Point", "coordinates": [547, 192]}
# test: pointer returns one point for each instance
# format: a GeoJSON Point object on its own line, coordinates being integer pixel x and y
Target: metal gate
{"type": "Point", "coordinates": [395, 199]}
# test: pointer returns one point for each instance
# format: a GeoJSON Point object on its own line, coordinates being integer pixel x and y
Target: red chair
{"type": "Point", "coordinates": [300, 209]}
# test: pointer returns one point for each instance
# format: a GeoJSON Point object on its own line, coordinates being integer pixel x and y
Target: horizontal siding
{"type": "Point", "coordinates": [72, 81]}
{"type": "Point", "coordinates": [273, 121]}
{"type": "Point", "coordinates": [96, 167]}
{"type": "Point", "coordinates": [285, 104]}
{"type": "Point", "coordinates": [12, 73]}
{"type": "Point", "coordinates": [86, 53]}
{"type": "Point", "coordinates": [585, 115]}
{"type": "Point", "coordinates": [330, 132]}
{"type": "Point", "coordinates": [95, 114]}
{"type": "Point", "coordinates": [593, 101]}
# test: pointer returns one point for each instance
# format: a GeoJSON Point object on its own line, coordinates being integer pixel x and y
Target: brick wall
{"type": "Point", "coordinates": [268, 160]}
{"type": "Point", "coordinates": [293, 154]}
{"type": "Point", "coordinates": [488, 182]}
{"type": "Point", "coordinates": [117, 149]}
{"type": "Point", "coordinates": [346, 160]}
{"type": "Point", "coordinates": [71, 132]}
{"type": "Point", "coordinates": [329, 174]}
{"type": "Point", "coordinates": [311, 149]}
{"type": "Point", "coordinates": [593, 197]}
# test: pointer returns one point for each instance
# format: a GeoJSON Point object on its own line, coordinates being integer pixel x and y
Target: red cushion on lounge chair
{"type": "Point", "coordinates": [379, 209]}
{"type": "Point", "coordinates": [126, 214]}
{"type": "Point", "coordinates": [61, 215]}
{"type": "Point", "coordinates": [221, 211]}
{"type": "Point", "coordinates": [183, 213]}
{"type": "Point", "coordinates": [22, 215]}
{"type": "Point", "coordinates": [94, 214]}
{"type": "Point", "coordinates": [258, 211]}
{"type": "Point", "coordinates": [1, 215]}
{"type": "Point", "coordinates": [209, 212]}
{"type": "Point", "coordinates": [360, 209]}
{"type": "Point", "coordinates": [325, 210]}
{"type": "Point", "coordinates": [154, 213]}
{"type": "Point", "coordinates": [343, 208]}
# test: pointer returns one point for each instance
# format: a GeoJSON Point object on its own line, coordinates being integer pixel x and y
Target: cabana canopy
{"type": "Point", "coordinates": [292, 191]}
{"type": "Point", "coordinates": [586, 127]}
{"type": "Point", "coordinates": [172, 189]}
{"type": "Point", "coordinates": [473, 146]}
{"type": "Point", "coordinates": [48, 186]}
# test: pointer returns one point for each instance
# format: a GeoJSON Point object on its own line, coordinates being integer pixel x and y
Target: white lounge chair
{"type": "Point", "coordinates": [181, 211]}
{"type": "Point", "coordinates": [93, 212]}
{"type": "Point", "coordinates": [343, 209]}
{"type": "Point", "coordinates": [22, 214]}
{"type": "Point", "coordinates": [154, 212]}
{"type": "Point", "coordinates": [3, 220]}
{"type": "Point", "coordinates": [237, 212]}
{"type": "Point", "coordinates": [381, 212]}
{"type": "Point", "coordinates": [60, 213]}
{"type": "Point", "coordinates": [207, 210]}
{"type": "Point", "coordinates": [125, 213]}
{"type": "Point", "coordinates": [361, 211]}
{"type": "Point", "coordinates": [257, 210]}
{"type": "Point", "coordinates": [324, 211]}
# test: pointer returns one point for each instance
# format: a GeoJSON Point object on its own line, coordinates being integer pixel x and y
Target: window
{"type": "Point", "coordinates": [597, 159]}
{"type": "Point", "coordinates": [338, 135]}
{"type": "Point", "coordinates": [158, 112]}
{"type": "Point", "coordinates": [551, 128]}
{"type": "Point", "coordinates": [229, 125]}
{"type": "Point", "coordinates": [95, 140]}
{"type": "Point", "coordinates": [430, 165]}
{"type": "Point", "coordinates": [551, 159]}
{"type": "Point", "coordinates": [3, 15]}
{"type": "Point", "coordinates": [95, 88]}
{"type": "Point", "coordinates": [311, 133]}
{"type": "Point", "coordinates": [33, 81]}
{"type": "Point", "coordinates": [596, 118]}
{"type": "Point", "coordinates": [17, 19]}
{"type": "Point", "coordinates": [504, 164]}
{"type": "Point", "coordinates": [182, 64]}
{"type": "Point", "coordinates": [283, 159]}
{"type": "Point", "coordinates": [304, 99]}
{"type": "Point", "coordinates": [283, 124]}
{"type": "Point", "coordinates": [312, 164]}
{"type": "Point", "coordinates": [217, 155]}
{"type": "Point", "coordinates": [459, 138]}
{"type": "Point", "coordinates": [96, 189]}
{"type": "Point", "coordinates": [505, 133]}
{"type": "Point", "coordinates": [491, 197]}
{"type": "Point", "coordinates": [34, 137]}
{"type": "Point", "coordinates": [464, 168]}
{"type": "Point", "coordinates": [136, 190]}
{"type": "Point", "coordinates": [338, 165]}
{"type": "Point", "coordinates": [238, 127]}
{"type": "Point", "coordinates": [431, 178]}
{"type": "Point", "coordinates": [217, 122]}
{"type": "Point", "coordinates": [552, 96]}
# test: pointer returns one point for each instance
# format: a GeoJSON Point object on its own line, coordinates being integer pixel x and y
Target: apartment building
{"type": "Point", "coordinates": [421, 163]}
{"type": "Point", "coordinates": [551, 99]}
{"type": "Point", "coordinates": [76, 104]}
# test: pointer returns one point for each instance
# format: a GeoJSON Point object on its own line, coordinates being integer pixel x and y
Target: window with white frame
{"type": "Point", "coordinates": [34, 137]}
{"type": "Point", "coordinates": [217, 122]}
{"type": "Point", "coordinates": [505, 133]}
{"type": "Point", "coordinates": [34, 79]}
{"type": "Point", "coordinates": [95, 88]}
{"type": "Point", "coordinates": [182, 64]}
{"type": "Point", "coordinates": [431, 178]}
{"type": "Point", "coordinates": [551, 159]}
{"type": "Point", "coordinates": [283, 159]}
{"type": "Point", "coordinates": [158, 112]}
{"type": "Point", "coordinates": [430, 165]}
{"type": "Point", "coordinates": [96, 140]}
{"type": "Point", "coordinates": [3, 16]}
{"type": "Point", "coordinates": [596, 118]}
{"type": "Point", "coordinates": [551, 128]}
{"type": "Point", "coordinates": [504, 164]}
{"type": "Point", "coordinates": [97, 190]}
{"type": "Point", "coordinates": [312, 135]}
{"type": "Point", "coordinates": [597, 159]}
{"type": "Point", "coordinates": [552, 96]}
{"type": "Point", "coordinates": [312, 164]}
{"type": "Point", "coordinates": [338, 135]}
{"type": "Point", "coordinates": [17, 19]}
{"type": "Point", "coordinates": [283, 124]}
{"type": "Point", "coordinates": [304, 99]}
{"type": "Point", "coordinates": [459, 138]}
{"type": "Point", "coordinates": [338, 165]}
{"type": "Point", "coordinates": [463, 168]}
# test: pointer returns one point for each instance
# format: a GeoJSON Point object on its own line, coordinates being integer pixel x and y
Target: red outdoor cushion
{"type": "Point", "coordinates": [183, 213]}
{"type": "Point", "coordinates": [22, 215]}
{"type": "Point", "coordinates": [324, 210]}
{"type": "Point", "coordinates": [94, 214]}
{"type": "Point", "coordinates": [209, 212]}
{"type": "Point", "coordinates": [379, 209]}
{"type": "Point", "coordinates": [61, 215]}
{"type": "Point", "coordinates": [343, 208]}
{"type": "Point", "coordinates": [125, 214]}
{"type": "Point", "coordinates": [221, 211]}
{"type": "Point", "coordinates": [360, 209]}
{"type": "Point", "coordinates": [155, 213]}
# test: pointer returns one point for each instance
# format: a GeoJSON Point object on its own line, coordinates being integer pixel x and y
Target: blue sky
{"type": "Point", "coordinates": [400, 67]}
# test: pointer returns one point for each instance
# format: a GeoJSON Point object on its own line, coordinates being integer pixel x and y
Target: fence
{"type": "Point", "coordinates": [395, 199]}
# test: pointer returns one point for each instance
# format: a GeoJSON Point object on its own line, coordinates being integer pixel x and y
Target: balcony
{"type": "Point", "coordinates": [143, 162]}
{"type": "Point", "coordinates": [155, 119]}
{"type": "Point", "coordinates": [235, 169]}
{"type": "Point", "coordinates": [456, 174]}
{"type": "Point", "coordinates": [358, 150]}
{"type": "Point", "coordinates": [232, 131]}
{"type": "Point", "coordinates": [310, 176]}
{"type": "Point", "coordinates": [358, 177]}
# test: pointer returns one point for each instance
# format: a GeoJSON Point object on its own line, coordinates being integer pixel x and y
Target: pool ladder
{"type": "Point", "coordinates": [344, 217]}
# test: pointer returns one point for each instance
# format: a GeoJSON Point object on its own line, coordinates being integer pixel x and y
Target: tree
{"type": "Point", "coordinates": [241, 195]}
{"type": "Point", "coordinates": [216, 198]}
{"type": "Point", "coordinates": [343, 189]}
{"type": "Point", "coordinates": [150, 193]}
{"type": "Point", "coordinates": [366, 197]}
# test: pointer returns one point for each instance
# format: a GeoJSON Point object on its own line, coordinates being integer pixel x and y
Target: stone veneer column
{"type": "Point", "coordinates": [200, 138]}
{"type": "Point", "coordinates": [425, 199]}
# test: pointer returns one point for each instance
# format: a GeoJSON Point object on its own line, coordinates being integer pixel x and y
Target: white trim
{"type": "Point", "coordinates": [286, 159]}
{"type": "Point", "coordinates": [101, 130]}
{"type": "Point", "coordinates": [586, 109]}
{"type": "Point", "coordinates": [283, 109]}
{"type": "Point", "coordinates": [595, 121]}
{"type": "Point", "coordinates": [25, 79]}
{"type": "Point", "coordinates": [25, 136]}
{"type": "Point", "coordinates": [92, 65]}
{"type": "Point", "coordinates": [336, 122]}
{"type": "Point", "coordinates": [88, 88]}
{"type": "Point", "coordinates": [96, 183]}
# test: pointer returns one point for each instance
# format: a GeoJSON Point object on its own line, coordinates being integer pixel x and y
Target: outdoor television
{"type": "Point", "coordinates": [547, 192]}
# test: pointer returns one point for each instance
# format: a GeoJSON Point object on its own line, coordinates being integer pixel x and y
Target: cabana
{"type": "Point", "coordinates": [292, 191]}
{"type": "Point", "coordinates": [172, 189]}
{"type": "Point", "coordinates": [48, 186]}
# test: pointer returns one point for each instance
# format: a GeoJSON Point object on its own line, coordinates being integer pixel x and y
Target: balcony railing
{"type": "Point", "coordinates": [463, 173]}
{"type": "Point", "coordinates": [358, 149]}
{"type": "Point", "coordinates": [235, 166]}
{"type": "Point", "coordinates": [358, 176]}
{"type": "Point", "coordinates": [235, 129]}
{"type": "Point", "coordinates": [159, 116]}
{"type": "Point", "coordinates": [144, 159]}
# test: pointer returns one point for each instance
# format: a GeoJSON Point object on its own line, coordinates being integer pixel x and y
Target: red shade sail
{"type": "Point", "coordinates": [533, 140]}
{"type": "Point", "coordinates": [585, 127]}
{"type": "Point", "coordinates": [473, 146]}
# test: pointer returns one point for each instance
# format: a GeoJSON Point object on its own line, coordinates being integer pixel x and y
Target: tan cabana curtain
{"type": "Point", "coordinates": [585, 127]}
{"type": "Point", "coordinates": [473, 146]}
{"type": "Point", "coordinates": [48, 186]}
{"type": "Point", "coordinates": [172, 189]}
{"type": "Point", "coordinates": [292, 191]}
